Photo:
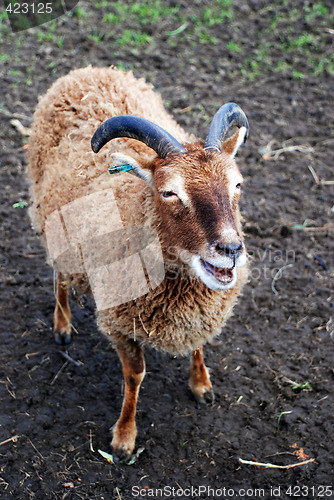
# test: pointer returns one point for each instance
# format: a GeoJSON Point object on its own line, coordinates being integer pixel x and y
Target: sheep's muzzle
{"type": "Point", "coordinates": [224, 275]}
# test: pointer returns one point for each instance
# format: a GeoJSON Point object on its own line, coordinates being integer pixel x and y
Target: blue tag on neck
{"type": "Point", "coordinates": [118, 169]}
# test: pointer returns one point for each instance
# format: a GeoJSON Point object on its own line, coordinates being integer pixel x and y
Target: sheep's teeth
{"type": "Point", "coordinates": [222, 274]}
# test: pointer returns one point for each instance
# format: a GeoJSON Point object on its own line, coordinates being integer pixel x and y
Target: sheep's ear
{"type": "Point", "coordinates": [123, 163]}
{"type": "Point", "coordinates": [231, 145]}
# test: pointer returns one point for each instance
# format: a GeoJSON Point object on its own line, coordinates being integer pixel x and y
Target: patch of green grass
{"type": "Point", "coordinates": [203, 36]}
{"type": "Point", "coordinates": [47, 33]}
{"type": "Point", "coordinates": [95, 35]}
{"type": "Point", "coordinates": [3, 17]}
{"type": "Point", "coordinates": [20, 204]}
{"type": "Point", "coordinates": [301, 52]}
{"type": "Point", "coordinates": [305, 39]}
{"type": "Point", "coordinates": [110, 18]}
{"type": "Point", "coordinates": [282, 20]}
{"type": "Point", "coordinates": [282, 66]}
{"type": "Point", "coordinates": [298, 75]}
{"type": "Point", "coordinates": [79, 12]}
{"type": "Point", "coordinates": [14, 72]}
{"type": "Point", "coordinates": [52, 65]}
{"type": "Point", "coordinates": [234, 47]}
{"type": "Point", "coordinates": [218, 13]}
{"type": "Point", "coordinates": [152, 11]}
{"type": "Point", "coordinates": [282, 415]}
{"type": "Point", "coordinates": [60, 42]}
{"type": "Point", "coordinates": [143, 11]}
{"type": "Point", "coordinates": [4, 58]}
{"type": "Point", "coordinates": [273, 23]}
{"type": "Point", "coordinates": [303, 386]}
{"type": "Point", "coordinates": [102, 4]}
{"type": "Point", "coordinates": [252, 70]}
{"type": "Point", "coordinates": [316, 10]}
{"type": "Point", "coordinates": [141, 14]}
{"type": "Point", "coordinates": [135, 17]}
{"type": "Point", "coordinates": [324, 64]}
{"type": "Point", "coordinates": [49, 36]}
{"type": "Point", "coordinates": [133, 38]}
{"type": "Point", "coordinates": [4, 23]}
{"type": "Point", "coordinates": [125, 67]}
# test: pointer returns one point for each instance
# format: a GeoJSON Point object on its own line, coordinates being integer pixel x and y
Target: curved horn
{"type": "Point", "coordinates": [230, 114]}
{"type": "Point", "coordinates": [136, 128]}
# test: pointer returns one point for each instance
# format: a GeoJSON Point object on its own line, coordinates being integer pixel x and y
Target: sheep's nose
{"type": "Point", "coordinates": [230, 250]}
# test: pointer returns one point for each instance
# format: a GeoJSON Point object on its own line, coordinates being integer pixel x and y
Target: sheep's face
{"type": "Point", "coordinates": [196, 190]}
{"type": "Point", "coordinates": [197, 195]}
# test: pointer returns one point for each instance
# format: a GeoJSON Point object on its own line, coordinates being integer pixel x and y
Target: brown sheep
{"type": "Point", "coordinates": [106, 234]}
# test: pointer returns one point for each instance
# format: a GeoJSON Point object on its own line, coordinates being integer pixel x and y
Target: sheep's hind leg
{"type": "Point", "coordinates": [62, 313]}
{"type": "Point", "coordinates": [125, 431]}
{"type": "Point", "coordinates": [199, 379]}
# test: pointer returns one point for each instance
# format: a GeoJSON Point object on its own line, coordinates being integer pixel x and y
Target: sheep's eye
{"type": "Point", "coordinates": [167, 194]}
{"type": "Point", "coordinates": [238, 186]}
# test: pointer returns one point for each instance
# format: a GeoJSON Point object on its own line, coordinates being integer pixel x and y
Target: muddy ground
{"type": "Point", "coordinates": [273, 367]}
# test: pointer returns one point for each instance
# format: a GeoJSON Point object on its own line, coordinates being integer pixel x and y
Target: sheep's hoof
{"type": "Point", "coordinates": [62, 337]}
{"type": "Point", "coordinates": [121, 455]}
{"type": "Point", "coordinates": [203, 393]}
{"type": "Point", "coordinates": [123, 442]}
{"type": "Point", "coordinates": [208, 396]}
{"type": "Point", "coordinates": [121, 452]}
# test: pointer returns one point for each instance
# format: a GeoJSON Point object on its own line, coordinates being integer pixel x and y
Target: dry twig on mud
{"type": "Point", "coordinates": [273, 154]}
{"type": "Point", "coordinates": [20, 116]}
{"type": "Point", "coordinates": [69, 358]}
{"type": "Point", "coordinates": [118, 494]}
{"type": "Point", "coordinates": [317, 179]}
{"type": "Point", "coordinates": [314, 174]}
{"type": "Point", "coordinates": [20, 128]}
{"type": "Point", "coordinates": [277, 276]}
{"type": "Point", "coordinates": [58, 373]}
{"type": "Point", "coordinates": [13, 439]}
{"type": "Point", "coordinates": [91, 441]}
{"type": "Point", "coordinates": [274, 466]}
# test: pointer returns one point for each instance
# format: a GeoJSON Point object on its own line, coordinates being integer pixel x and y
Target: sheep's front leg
{"type": "Point", "coordinates": [199, 380]}
{"type": "Point", "coordinates": [124, 431]}
{"type": "Point", "coordinates": [62, 314]}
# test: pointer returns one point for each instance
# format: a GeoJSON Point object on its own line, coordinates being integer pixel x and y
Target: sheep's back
{"type": "Point", "coordinates": [62, 166]}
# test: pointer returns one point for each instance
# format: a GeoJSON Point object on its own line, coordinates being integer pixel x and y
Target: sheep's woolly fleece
{"type": "Point", "coordinates": [180, 314]}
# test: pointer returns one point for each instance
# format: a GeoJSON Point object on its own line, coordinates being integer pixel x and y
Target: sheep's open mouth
{"type": "Point", "coordinates": [223, 275]}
